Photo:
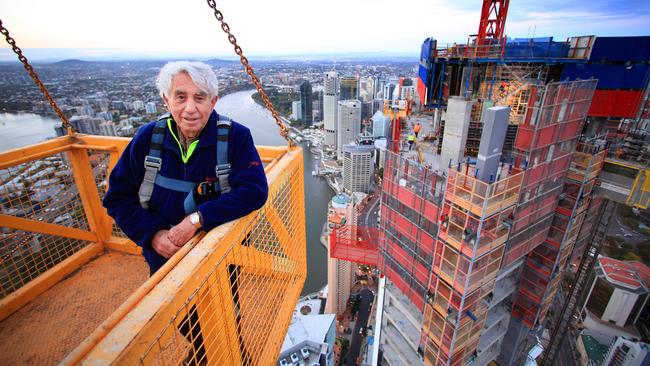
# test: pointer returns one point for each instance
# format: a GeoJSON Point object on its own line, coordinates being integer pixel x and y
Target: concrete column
{"type": "Point", "coordinates": [459, 111]}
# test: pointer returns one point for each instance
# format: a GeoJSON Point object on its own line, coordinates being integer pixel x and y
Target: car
{"type": "Point", "coordinates": [628, 235]}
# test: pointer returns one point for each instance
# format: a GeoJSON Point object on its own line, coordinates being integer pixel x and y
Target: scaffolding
{"type": "Point", "coordinates": [566, 171]}
{"type": "Point", "coordinates": [358, 244]}
{"type": "Point", "coordinates": [600, 213]}
{"type": "Point", "coordinates": [474, 225]}
{"type": "Point", "coordinates": [410, 205]}
{"type": "Point", "coordinates": [544, 148]}
{"type": "Point", "coordinates": [230, 291]}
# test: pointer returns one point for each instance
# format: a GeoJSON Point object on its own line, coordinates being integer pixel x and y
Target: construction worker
{"type": "Point", "coordinates": [416, 129]}
{"type": "Point", "coordinates": [190, 170]}
{"type": "Point", "coordinates": [411, 140]}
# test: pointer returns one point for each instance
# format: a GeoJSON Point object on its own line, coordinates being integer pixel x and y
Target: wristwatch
{"type": "Point", "coordinates": [195, 219]}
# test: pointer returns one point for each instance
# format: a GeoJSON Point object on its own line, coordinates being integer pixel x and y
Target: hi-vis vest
{"type": "Point", "coordinates": [153, 162]}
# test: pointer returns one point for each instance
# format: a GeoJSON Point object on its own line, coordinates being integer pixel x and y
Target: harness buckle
{"type": "Point", "coordinates": [152, 162]}
{"type": "Point", "coordinates": [222, 169]}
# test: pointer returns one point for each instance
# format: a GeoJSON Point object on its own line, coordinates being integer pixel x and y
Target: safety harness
{"type": "Point", "coordinates": [153, 162]}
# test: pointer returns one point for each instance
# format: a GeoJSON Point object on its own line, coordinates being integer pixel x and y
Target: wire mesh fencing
{"type": "Point", "coordinates": [240, 304]}
{"type": "Point", "coordinates": [37, 193]}
{"type": "Point", "coordinates": [100, 161]}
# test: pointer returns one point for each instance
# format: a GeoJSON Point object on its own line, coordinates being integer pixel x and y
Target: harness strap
{"type": "Point", "coordinates": [222, 170]}
{"type": "Point", "coordinates": [153, 162]}
{"type": "Point", "coordinates": [189, 205]}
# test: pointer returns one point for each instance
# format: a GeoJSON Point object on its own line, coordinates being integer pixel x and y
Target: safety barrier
{"type": "Point", "coordinates": [230, 291]}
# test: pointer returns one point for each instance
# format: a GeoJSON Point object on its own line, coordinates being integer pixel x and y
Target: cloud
{"type": "Point", "coordinates": [568, 23]}
{"type": "Point", "coordinates": [299, 26]}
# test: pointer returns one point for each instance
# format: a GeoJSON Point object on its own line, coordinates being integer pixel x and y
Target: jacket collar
{"type": "Point", "coordinates": [207, 137]}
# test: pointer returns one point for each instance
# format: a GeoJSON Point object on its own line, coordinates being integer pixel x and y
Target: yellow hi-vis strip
{"type": "Point", "coordinates": [190, 149]}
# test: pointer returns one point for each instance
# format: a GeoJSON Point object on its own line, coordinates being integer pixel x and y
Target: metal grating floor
{"type": "Point", "coordinates": [45, 330]}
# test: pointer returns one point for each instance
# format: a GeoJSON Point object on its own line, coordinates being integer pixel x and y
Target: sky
{"type": "Point", "coordinates": [94, 29]}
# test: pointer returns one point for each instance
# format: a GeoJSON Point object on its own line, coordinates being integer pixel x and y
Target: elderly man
{"type": "Point", "coordinates": [193, 169]}
{"type": "Point", "coordinates": [177, 159]}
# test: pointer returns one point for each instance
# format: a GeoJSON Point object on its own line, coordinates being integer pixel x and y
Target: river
{"type": "Point", "coordinates": [23, 129]}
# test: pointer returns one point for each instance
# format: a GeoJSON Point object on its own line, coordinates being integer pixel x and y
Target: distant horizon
{"type": "Point", "coordinates": [291, 29]}
{"type": "Point", "coordinates": [47, 55]}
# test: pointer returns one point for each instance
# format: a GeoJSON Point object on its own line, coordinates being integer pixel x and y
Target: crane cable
{"type": "Point", "coordinates": [249, 70]}
{"type": "Point", "coordinates": [64, 120]}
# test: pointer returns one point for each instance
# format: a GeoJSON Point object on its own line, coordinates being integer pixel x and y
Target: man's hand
{"type": "Point", "coordinates": [181, 233]}
{"type": "Point", "coordinates": [162, 245]}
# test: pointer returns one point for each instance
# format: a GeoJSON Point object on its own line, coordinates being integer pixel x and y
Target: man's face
{"type": "Point", "coordinates": [189, 105]}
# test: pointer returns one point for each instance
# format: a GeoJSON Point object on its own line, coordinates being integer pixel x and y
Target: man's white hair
{"type": "Point", "coordinates": [200, 73]}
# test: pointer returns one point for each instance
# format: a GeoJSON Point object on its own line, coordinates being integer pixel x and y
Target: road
{"type": "Point", "coordinates": [618, 229]}
{"type": "Point", "coordinates": [371, 213]}
{"type": "Point", "coordinates": [362, 321]}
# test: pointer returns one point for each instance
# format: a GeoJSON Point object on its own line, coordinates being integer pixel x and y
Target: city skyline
{"type": "Point", "coordinates": [146, 30]}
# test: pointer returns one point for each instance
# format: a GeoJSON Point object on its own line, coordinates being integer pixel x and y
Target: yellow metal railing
{"type": "Point", "coordinates": [640, 192]}
{"type": "Point", "coordinates": [226, 298]}
{"type": "Point", "coordinates": [52, 219]}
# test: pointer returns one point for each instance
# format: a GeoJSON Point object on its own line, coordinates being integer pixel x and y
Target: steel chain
{"type": "Point", "coordinates": [249, 70]}
{"type": "Point", "coordinates": [64, 120]}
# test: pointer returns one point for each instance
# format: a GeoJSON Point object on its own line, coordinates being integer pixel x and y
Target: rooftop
{"type": "Point", "coordinates": [308, 328]}
{"type": "Point", "coordinates": [341, 200]}
{"type": "Point", "coordinates": [631, 274]}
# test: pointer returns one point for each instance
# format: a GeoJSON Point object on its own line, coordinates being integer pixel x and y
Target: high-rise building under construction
{"type": "Point", "coordinates": [474, 243]}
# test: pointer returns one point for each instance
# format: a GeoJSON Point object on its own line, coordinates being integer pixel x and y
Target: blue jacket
{"type": "Point", "coordinates": [248, 184]}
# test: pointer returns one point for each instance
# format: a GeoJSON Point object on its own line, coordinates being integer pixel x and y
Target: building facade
{"type": "Point", "coordinates": [341, 213]}
{"type": "Point", "coordinates": [330, 107]}
{"type": "Point", "coordinates": [296, 111]}
{"type": "Point", "coordinates": [627, 352]}
{"type": "Point", "coordinates": [349, 88]}
{"type": "Point", "coordinates": [306, 108]}
{"type": "Point", "coordinates": [349, 124]}
{"type": "Point", "coordinates": [358, 167]}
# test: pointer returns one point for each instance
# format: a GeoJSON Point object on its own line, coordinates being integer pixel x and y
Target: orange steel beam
{"type": "Point", "coordinates": [17, 299]}
{"type": "Point", "coordinates": [19, 223]}
{"type": "Point", "coordinates": [83, 176]}
{"type": "Point", "coordinates": [33, 152]}
{"type": "Point", "coordinates": [273, 151]}
{"type": "Point", "coordinates": [276, 223]}
{"type": "Point", "coordinates": [259, 262]}
{"type": "Point", "coordinates": [8, 163]}
{"type": "Point", "coordinates": [227, 339]}
{"type": "Point", "coordinates": [123, 245]}
{"type": "Point", "coordinates": [95, 147]}
{"type": "Point", "coordinates": [103, 142]}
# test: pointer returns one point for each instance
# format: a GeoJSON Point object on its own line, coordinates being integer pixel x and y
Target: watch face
{"type": "Point", "coordinates": [194, 218]}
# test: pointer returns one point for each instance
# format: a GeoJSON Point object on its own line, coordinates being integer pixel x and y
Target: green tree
{"type": "Point", "coordinates": [644, 251]}
{"type": "Point", "coordinates": [345, 346]}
